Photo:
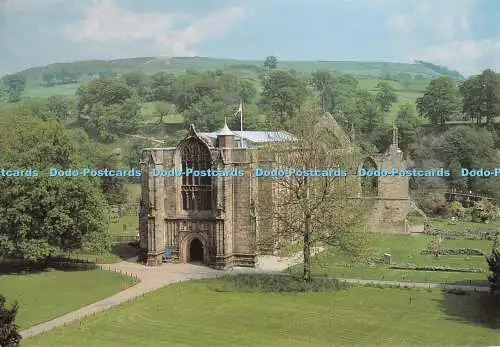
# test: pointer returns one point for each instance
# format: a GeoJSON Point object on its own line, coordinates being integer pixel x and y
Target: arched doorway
{"type": "Point", "coordinates": [196, 251]}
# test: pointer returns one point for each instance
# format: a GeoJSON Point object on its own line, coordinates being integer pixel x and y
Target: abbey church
{"type": "Point", "coordinates": [216, 220]}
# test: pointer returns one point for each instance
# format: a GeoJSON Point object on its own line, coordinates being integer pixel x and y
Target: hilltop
{"type": "Point", "coordinates": [417, 70]}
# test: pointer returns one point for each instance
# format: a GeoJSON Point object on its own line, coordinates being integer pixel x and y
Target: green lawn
{"type": "Point", "coordinates": [118, 253]}
{"type": "Point", "coordinates": [134, 191]}
{"type": "Point", "coordinates": [194, 314]}
{"type": "Point", "coordinates": [404, 249]}
{"type": "Point", "coordinates": [45, 295]}
{"type": "Point", "coordinates": [36, 90]}
{"type": "Point", "coordinates": [131, 222]}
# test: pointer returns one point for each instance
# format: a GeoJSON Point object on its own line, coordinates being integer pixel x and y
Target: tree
{"type": "Point", "coordinates": [162, 111]}
{"type": "Point", "coordinates": [107, 107]}
{"type": "Point", "coordinates": [370, 120]}
{"type": "Point", "coordinates": [246, 91]}
{"type": "Point", "coordinates": [494, 266]}
{"type": "Point", "coordinates": [59, 107]}
{"type": "Point", "coordinates": [481, 96]}
{"type": "Point", "coordinates": [316, 210]}
{"type": "Point", "coordinates": [9, 335]}
{"type": "Point", "coordinates": [138, 80]}
{"type": "Point", "coordinates": [15, 85]}
{"type": "Point", "coordinates": [409, 127]}
{"type": "Point", "coordinates": [43, 215]}
{"type": "Point", "coordinates": [162, 85]}
{"type": "Point", "coordinates": [440, 102]}
{"type": "Point", "coordinates": [271, 63]}
{"type": "Point", "coordinates": [465, 147]}
{"type": "Point", "coordinates": [283, 93]}
{"type": "Point", "coordinates": [206, 114]}
{"type": "Point", "coordinates": [322, 81]}
{"type": "Point", "coordinates": [385, 96]}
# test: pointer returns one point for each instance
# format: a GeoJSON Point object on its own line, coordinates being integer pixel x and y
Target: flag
{"type": "Point", "coordinates": [240, 110]}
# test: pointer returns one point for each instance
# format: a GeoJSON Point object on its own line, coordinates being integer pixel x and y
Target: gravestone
{"type": "Point", "coordinates": [387, 259]}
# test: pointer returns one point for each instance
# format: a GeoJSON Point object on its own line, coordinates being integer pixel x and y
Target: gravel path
{"type": "Point", "coordinates": [153, 278]}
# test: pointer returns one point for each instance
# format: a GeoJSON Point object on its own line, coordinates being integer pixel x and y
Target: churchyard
{"type": "Point", "coordinates": [371, 314]}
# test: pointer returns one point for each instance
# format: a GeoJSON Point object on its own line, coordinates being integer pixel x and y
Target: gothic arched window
{"type": "Point", "coordinates": [196, 189]}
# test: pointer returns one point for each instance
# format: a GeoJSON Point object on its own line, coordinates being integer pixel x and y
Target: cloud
{"type": "Point", "coordinates": [10, 7]}
{"type": "Point", "coordinates": [470, 56]}
{"type": "Point", "coordinates": [440, 32]}
{"type": "Point", "coordinates": [108, 27]}
{"type": "Point", "coordinates": [400, 23]}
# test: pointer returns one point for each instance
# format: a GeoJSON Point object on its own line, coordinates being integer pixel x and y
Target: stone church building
{"type": "Point", "coordinates": [215, 220]}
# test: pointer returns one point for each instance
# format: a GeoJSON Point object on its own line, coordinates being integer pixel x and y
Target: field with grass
{"type": "Point", "coordinates": [43, 296]}
{"type": "Point", "coordinates": [404, 249]}
{"type": "Point", "coordinates": [197, 314]}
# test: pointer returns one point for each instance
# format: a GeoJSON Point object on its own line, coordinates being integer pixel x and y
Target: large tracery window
{"type": "Point", "coordinates": [196, 189]}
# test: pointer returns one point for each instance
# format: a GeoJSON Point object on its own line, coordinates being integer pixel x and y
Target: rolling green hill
{"type": "Point", "coordinates": [153, 64]}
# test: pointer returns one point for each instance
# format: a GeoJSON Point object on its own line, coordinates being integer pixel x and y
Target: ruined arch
{"type": "Point", "coordinates": [369, 183]}
{"type": "Point", "coordinates": [196, 189]}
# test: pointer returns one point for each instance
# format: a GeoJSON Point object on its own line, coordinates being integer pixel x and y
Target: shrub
{"type": "Point", "coordinates": [435, 204]}
{"type": "Point", "coordinates": [9, 335]}
{"type": "Point", "coordinates": [457, 209]}
{"type": "Point", "coordinates": [277, 283]}
{"type": "Point", "coordinates": [494, 266]}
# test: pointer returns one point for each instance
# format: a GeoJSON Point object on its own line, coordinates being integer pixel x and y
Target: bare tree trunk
{"type": "Point", "coordinates": [307, 249]}
{"type": "Point", "coordinates": [307, 238]}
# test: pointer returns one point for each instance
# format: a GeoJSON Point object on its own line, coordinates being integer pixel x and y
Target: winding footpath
{"type": "Point", "coordinates": [153, 278]}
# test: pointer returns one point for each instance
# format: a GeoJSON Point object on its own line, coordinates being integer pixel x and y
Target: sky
{"type": "Point", "coordinates": [461, 34]}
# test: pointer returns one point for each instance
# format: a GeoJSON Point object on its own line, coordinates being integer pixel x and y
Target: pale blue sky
{"type": "Point", "coordinates": [461, 34]}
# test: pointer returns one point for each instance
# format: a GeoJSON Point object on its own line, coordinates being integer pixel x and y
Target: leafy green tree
{"type": "Point", "coordinates": [409, 127]}
{"type": "Point", "coordinates": [44, 215]}
{"type": "Point", "coordinates": [322, 81]}
{"type": "Point", "coordinates": [9, 335]}
{"type": "Point", "coordinates": [465, 147]}
{"type": "Point", "coordinates": [371, 121]}
{"type": "Point", "coordinates": [15, 84]}
{"type": "Point", "coordinates": [139, 81]}
{"type": "Point", "coordinates": [162, 111]}
{"type": "Point", "coordinates": [270, 63]}
{"type": "Point", "coordinates": [440, 102]}
{"type": "Point", "coordinates": [481, 96]}
{"type": "Point", "coordinates": [107, 107]}
{"type": "Point", "coordinates": [59, 107]}
{"type": "Point", "coordinates": [162, 87]}
{"type": "Point", "coordinates": [246, 91]}
{"type": "Point", "coordinates": [494, 266]}
{"type": "Point", "coordinates": [283, 93]}
{"type": "Point", "coordinates": [386, 96]}
{"type": "Point", "coordinates": [206, 114]}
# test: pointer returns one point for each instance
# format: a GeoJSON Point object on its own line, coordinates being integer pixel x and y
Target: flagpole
{"type": "Point", "coordinates": [241, 124]}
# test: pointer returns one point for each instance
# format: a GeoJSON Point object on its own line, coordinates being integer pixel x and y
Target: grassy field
{"type": "Point", "coordinates": [45, 295]}
{"type": "Point", "coordinates": [194, 314]}
{"type": "Point", "coordinates": [404, 249]}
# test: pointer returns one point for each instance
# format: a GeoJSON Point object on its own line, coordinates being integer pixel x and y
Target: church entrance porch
{"type": "Point", "coordinates": [196, 251]}
{"type": "Point", "coordinates": [193, 248]}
